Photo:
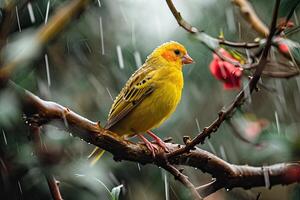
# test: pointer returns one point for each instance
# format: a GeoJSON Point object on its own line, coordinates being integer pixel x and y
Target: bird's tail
{"type": "Point", "coordinates": [95, 155]}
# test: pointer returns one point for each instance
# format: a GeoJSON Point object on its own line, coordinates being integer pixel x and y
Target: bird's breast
{"type": "Point", "coordinates": [155, 108]}
{"type": "Point", "coordinates": [167, 96]}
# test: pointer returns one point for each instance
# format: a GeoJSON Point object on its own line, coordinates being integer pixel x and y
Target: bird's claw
{"type": "Point", "coordinates": [152, 148]}
{"type": "Point", "coordinates": [159, 141]}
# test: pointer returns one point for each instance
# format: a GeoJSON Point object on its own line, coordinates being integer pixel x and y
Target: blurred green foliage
{"type": "Point", "coordinates": [84, 77]}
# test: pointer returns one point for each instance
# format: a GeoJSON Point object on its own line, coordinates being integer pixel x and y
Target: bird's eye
{"type": "Point", "coordinates": [177, 52]}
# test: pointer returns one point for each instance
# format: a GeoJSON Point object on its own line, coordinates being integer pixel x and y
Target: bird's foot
{"type": "Point", "coordinates": [152, 148]}
{"type": "Point", "coordinates": [159, 141]}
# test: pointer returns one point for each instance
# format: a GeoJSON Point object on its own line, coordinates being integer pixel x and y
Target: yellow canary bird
{"type": "Point", "coordinates": [149, 97]}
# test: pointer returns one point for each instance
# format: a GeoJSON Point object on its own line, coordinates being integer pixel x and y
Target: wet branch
{"type": "Point", "coordinates": [227, 175]}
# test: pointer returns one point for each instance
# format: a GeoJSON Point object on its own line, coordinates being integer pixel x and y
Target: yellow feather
{"type": "Point", "coordinates": [151, 94]}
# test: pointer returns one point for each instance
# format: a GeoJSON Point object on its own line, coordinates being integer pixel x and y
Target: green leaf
{"type": "Point", "coordinates": [115, 192]}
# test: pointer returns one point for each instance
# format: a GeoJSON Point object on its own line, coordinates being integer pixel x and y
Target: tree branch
{"type": "Point", "coordinates": [251, 17]}
{"type": "Point", "coordinates": [53, 186]}
{"type": "Point", "coordinates": [40, 151]}
{"type": "Point", "coordinates": [240, 98]}
{"type": "Point", "coordinates": [183, 179]}
{"type": "Point", "coordinates": [191, 29]}
{"type": "Point", "coordinates": [227, 175]}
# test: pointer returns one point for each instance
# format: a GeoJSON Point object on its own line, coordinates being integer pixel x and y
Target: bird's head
{"type": "Point", "coordinates": [171, 53]}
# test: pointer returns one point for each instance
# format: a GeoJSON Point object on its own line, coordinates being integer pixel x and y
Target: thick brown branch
{"type": "Point", "coordinates": [227, 175]}
{"type": "Point", "coordinates": [249, 14]}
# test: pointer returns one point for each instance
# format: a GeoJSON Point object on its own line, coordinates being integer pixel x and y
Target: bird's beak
{"type": "Point", "coordinates": [186, 59]}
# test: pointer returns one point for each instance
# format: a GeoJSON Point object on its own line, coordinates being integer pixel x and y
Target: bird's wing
{"type": "Point", "coordinates": [139, 86]}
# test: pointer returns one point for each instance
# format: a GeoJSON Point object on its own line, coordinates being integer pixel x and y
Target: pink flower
{"type": "Point", "coordinates": [225, 71]}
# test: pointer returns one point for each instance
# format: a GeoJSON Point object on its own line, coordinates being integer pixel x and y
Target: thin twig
{"type": "Point", "coordinates": [239, 99]}
{"type": "Point", "coordinates": [53, 186]}
{"type": "Point", "coordinates": [183, 179]}
{"type": "Point", "coordinates": [40, 150]}
{"type": "Point", "coordinates": [191, 29]}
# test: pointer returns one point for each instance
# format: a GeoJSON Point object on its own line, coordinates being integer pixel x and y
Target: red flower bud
{"type": "Point", "coordinates": [225, 71]}
{"type": "Point", "coordinates": [283, 48]}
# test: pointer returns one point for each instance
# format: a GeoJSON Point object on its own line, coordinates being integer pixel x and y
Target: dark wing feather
{"type": "Point", "coordinates": [138, 87]}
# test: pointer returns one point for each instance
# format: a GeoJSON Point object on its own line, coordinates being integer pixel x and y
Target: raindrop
{"type": "Point", "coordinates": [39, 10]}
{"type": "Point", "coordinates": [4, 136]}
{"type": "Point", "coordinates": [47, 70]}
{"type": "Point", "coordinates": [18, 19]}
{"type": "Point", "coordinates": [280, 91]}
{"type": "Point", "coordinates": [101, 36]}
{"type": "Point", "coordinates": [109, 94]}
{"type": "Point", "coordinates": [88, 46]}
{"type": "Point", "coordinates": [266, 177]}
{"type": "Point", "coordinates": [213, 150]}
{"type": "Point", "coordinates": [222, 151]}
{"type": "Point", "coordinates": [31, 13]}
{"type": "Point", "coordinates": [277, 122]}
{"type": "Point", "coordinates": [198, 126]}
{"type": "Point", "coordinates": [79, 175]}
{"type": "Point", "coordinates": [96, 84]}
{"type": "Point", "coordinates": [167, 194]}
{"type": "Point", "coordinates": [248, 56]}
{"type": "Point", "coordinates": [47, 12]}
{"type": "Point", "coordinates": [20, 188]}
{"type": "Point", "coordinates": [296, 18]}
{"type": "Point", "coordinates": [99, 3]}
{"type": "Point", "coordinates": [230, 20]}
{"type": "Point", "coordinates": [137, 58]}
{"type": "Point", "coordinates": [120, 57]}
{"type": "Point", "coordinates": [240, 32]}
{"type": "Point", "coordinates": [139, 167]}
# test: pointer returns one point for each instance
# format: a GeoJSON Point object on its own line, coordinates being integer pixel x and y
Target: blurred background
{"type": "Point", "coordinates": [85, 67]}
